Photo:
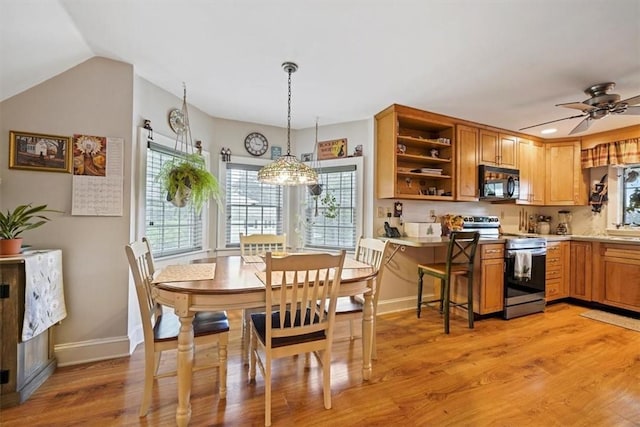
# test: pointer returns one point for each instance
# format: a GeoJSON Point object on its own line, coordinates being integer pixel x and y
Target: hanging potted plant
{"type": "Point", "coordinates": [14, 223]}
{"type": "Point", "coordinates": [187, 180]}
{"type": "Point", "coordinates": [330, 205]}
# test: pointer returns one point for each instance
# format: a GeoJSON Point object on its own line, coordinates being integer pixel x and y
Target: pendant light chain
{"type": "Point", "coordinates": [289, 71]}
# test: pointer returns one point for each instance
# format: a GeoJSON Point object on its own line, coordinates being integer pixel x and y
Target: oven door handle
{"type": "Point", "coordinates": [534, 252]}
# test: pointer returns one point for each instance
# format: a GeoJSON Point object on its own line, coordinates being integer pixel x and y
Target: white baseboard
{"type": "Point", "coordinates": [92, 350]}
{"type": "Point", "coordinates": [398, 304]}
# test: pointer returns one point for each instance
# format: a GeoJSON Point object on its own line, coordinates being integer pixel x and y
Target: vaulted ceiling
{"type": "Point", "coordinates": [500, 62]}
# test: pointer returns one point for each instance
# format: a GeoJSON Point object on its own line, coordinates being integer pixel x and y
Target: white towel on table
{"type": "Point", "coordinates": [522, 267]}
{"type": "Point", "coordinates": [44, 293]}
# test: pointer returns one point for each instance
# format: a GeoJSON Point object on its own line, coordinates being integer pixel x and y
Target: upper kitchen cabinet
{"type": "Point", "coordinates": [565, 182]}
{"type": "Point", "coordinates": [466, 163]}
{"type": "Point", "coordinates": [498, 149]}
{"type": "Point", "coordinates": [414, 154]}
{"type": "Point", "coordinates": [531, 159]}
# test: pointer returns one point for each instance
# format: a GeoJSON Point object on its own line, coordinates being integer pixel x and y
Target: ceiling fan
{"type": "Point", "coordinates": [599, 105]}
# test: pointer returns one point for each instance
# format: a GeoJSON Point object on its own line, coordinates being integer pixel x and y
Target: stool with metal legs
{"type": "Point", "coordinates": [461, 253]}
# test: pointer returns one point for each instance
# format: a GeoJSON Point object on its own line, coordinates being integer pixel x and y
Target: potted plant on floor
{"type": "Point", "coordinates": [14, 223]}
{"type": "Point", "coordinates": [187, 180]}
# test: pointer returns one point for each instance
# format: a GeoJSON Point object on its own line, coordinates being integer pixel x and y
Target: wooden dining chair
{"type": "Point", "coordinates": [374, 252]}
{"type": "Point", "coordinates": [161, 328]}
{"type": "Point", "coordinates": [461, 252]}
{"type": "Point", "coordinates": [252, 245]}
{"type": "Point", "coordinates": [301, 297]}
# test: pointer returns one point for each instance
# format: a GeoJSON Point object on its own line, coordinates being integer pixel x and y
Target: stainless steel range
{"type": "Point", "coordinates": [487, 226]}
{"type": "Point", "coordinates": [524, 276]}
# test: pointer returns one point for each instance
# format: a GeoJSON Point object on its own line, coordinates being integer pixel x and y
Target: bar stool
{"type": "Point", "coordinates": [461, 253]}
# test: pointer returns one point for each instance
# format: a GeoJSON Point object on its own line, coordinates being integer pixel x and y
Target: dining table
{"type": "Point", "coordinates": [234, 282]}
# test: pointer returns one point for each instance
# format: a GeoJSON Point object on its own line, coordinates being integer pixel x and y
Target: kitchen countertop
{"type": "Point", "coordinates": [422, 242]}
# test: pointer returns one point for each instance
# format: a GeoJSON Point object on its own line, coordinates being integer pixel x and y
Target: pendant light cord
{"type": "Point", "coordinates": [289, 114]}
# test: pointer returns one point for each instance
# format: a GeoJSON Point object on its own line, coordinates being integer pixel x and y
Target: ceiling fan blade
{"type": "Point", "coordinates": [582, 126]}
{"type": "Point", "coordinates": [632, 111]}
{"type": "Point", "coordinates": [631, 101]}
{"type": "Point", "coordinates": [577, 106]}
{"type": "Point", "coordinates": [553, 121]}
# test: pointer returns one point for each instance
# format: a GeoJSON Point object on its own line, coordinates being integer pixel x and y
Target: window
{"type": "Point", "coordinates": [332, 218]}
{"type": "Point", "coordinates": [250, 206]}
{"type": "Point", "coordinates": [631, 195]}
{"type": "Point", "coordinates": [171, 230]}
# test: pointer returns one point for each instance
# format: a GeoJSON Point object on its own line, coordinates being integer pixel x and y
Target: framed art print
{"type": "Point", "coordinates": [40, 152]}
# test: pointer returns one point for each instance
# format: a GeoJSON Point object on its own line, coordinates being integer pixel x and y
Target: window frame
{"type": "Point", "coordinates": [221, 244]}
{"type": "Point", "coordinates": [358, 163]}
{"type": "Point", "coordinates": [615, 213]}
{"type": "Point", "coordinates": [141, 191]}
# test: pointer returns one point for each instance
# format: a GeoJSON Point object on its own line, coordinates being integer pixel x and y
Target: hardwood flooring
{"type": "Point", "coordinates": [548, 369]}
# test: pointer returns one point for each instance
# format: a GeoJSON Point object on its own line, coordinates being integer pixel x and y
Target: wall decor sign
{"type": "Point", "coordinates": [333, 149]}
{"type": "Point", "coordinates": [276, 152]}
{"type": "Point", "coordinates": [40, 152]}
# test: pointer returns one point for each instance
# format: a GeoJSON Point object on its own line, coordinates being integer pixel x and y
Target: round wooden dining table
{"type": "Point", "coordinates": [236, 285]}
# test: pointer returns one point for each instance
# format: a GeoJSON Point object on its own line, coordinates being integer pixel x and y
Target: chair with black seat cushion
{"type": "Point", "coordinates": [461, 252]}
{"type": "Point", "coordinates": [374, 252]}
{"type": "Point", "coordinates": [301, 295]}
{"type": "Point", "coordinates": [161, 328]}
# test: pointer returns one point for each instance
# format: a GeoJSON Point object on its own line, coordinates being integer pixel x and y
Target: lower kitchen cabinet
{"type": "Point", "coordinates": [557, 270]}
{"type": "Point", "coordinates": [581, 272]}
{"type": "Point", "coordinates": [618, 281]}
{"type": "Point", "coordinates": [489, 279]}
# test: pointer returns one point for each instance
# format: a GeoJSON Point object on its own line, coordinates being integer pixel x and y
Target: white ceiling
{"type": "Point", "coordinates": [499, 62]}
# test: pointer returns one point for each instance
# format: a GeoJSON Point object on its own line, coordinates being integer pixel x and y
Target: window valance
{"type": "Point", "coordinates": [612, 153]}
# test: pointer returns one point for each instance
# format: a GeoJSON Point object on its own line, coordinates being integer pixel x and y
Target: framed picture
{"type": "Point", "coordinates": [35, 151]}
{"type": "Point", "coordinates": [276, 152]}
{"type": "Point", "coordinates": [306, 157]}
{"type": "Point", "coordinates": [333, 149]}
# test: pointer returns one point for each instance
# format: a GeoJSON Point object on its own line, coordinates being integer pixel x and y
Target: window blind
{"type": "Point", "coordinates": [170, 230]}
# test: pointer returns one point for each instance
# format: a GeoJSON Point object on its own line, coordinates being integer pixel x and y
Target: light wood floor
{"type": "Point", "coordinates": [549, 369]}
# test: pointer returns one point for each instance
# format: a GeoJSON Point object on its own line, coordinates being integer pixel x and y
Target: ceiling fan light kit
{"type": "Point", "coordinates": [599, 105]}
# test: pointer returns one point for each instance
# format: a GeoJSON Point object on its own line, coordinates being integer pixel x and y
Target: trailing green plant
{"type": "Point", "coordinates": [188, 177]}
{"type": "Point", "coordinates": [634, 201]}
{"type": "Point", "coordinates": [21, 219]}
{"type": "Point", "coordinates": [330, 205]}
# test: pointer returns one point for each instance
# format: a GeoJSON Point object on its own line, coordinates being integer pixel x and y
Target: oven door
{"type": "Point", "coordinates": [519, 290]}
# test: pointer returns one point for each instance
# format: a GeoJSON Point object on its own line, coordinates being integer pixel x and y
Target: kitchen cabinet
{"type": "Point", "coordinates": [488, 279]}
{"type": "Point", "coordinates": [498, 149]}
{"type": "Point", "coordinates": [557, 270]}
{"type": "Point", "coordinates": [24, 365]}
{"type": "Point", "coordinates": [466, 163]}
{"type": "Point", "coordinates": [414, 155]}
{"type": "Point", "coordinates": [531, 160]}
{"type": "Point", "coordinates": [618, 281]}
{"type": "Point", "coordinates": [565, 182]}
{"type": "Point", "coordinates": [581, 272]}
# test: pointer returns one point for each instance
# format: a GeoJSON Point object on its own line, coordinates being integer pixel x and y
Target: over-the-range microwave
{"type": "Point", "coordinates": [498, 183]}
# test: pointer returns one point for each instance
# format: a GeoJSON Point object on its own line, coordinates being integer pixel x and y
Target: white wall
{"type": "Point", "coordinates": [92, 98]}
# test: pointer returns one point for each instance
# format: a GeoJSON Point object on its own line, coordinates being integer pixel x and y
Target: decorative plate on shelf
{"type": "Point", "coordinates": [176, 120]}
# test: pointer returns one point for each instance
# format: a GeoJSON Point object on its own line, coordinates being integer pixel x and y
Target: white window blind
{"type": "Point", "coordinates": [251, 207]}
{"type": "Point", "coordinates": [171, 230]}
{"type": "Point", "coordinates": [630, 189]}
{"type": "Point", "coordinates": [338, 232]}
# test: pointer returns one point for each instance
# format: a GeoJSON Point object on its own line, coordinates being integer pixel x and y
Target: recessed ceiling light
{"type": "Point", "coordinates": [548, 131]}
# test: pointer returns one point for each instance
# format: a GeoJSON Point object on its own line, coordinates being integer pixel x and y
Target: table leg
{"type": "Point", "coordinates": [185, 365]}
{"type": "Point", "coordinates": [367, 332]}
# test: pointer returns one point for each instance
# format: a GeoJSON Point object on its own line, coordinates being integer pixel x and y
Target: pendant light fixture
{"type": "Point", "coordinates": [288, 170]}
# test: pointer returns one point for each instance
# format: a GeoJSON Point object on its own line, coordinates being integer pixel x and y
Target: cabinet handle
{"type": "Point", "coordinates": [492, 251]}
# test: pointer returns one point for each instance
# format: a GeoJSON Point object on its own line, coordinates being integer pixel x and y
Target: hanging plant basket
{"type": "Point", "coordinates": [187, 180]}
{"type": "Point", "coordinates": [315, 189]}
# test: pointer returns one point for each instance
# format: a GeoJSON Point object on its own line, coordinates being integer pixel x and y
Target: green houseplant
{"type": "Point", "coordinates": [187, 180]}
{"type": "Point", "coordinates": [14, 223]}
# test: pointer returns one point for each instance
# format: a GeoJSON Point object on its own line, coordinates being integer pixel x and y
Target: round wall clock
{"type": "Point", "coordinates": [176, 120]}
{"type": "Point", "coordinates": [256, 144]}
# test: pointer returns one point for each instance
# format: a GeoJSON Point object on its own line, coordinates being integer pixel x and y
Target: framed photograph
{"type": "Point", "coordinates": [35, 151]}
{"type": "Point", "coordinates": [276, 152]}
{"type": "Point", "coordinates": [306, 157]}
{"type": "Point", "coordinates": [333, 149]}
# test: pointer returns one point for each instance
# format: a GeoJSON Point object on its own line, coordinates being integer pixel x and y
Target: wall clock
{"type": "Point", "coordinates": [176, 120]}
{"type": "Point", "coordinates": [256, 144]}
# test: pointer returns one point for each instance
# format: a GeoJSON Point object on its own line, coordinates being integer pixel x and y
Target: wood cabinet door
{"type": "Point", "coordinates": [467, 163]}
{"type": "Point", "coordinates": [537, 153]}
{"type": "Point", "coordinates": [492, 286]}
{"type": "Point", "coordinates": [508, 151]}
{"type": "Point", "coordinates": [488, 147]}
{"type": "Point", "coordinates": [581, 274]}
{"type": "Point", "coordinates": [526, 172]}
{"type": "Point", "coordinates": [565, 181]}
{"type": "Point", "coordinates": [620, 277]}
